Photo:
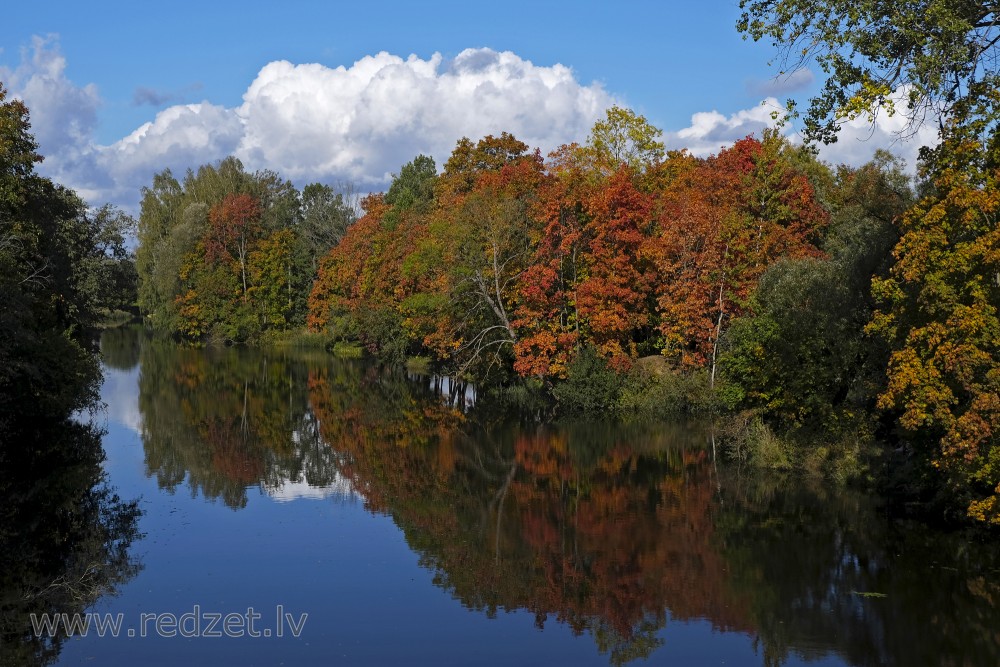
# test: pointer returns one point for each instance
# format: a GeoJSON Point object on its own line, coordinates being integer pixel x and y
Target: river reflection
{"type": "Point", "coordinates": [616, 532]}
{"type": "Point", "coordinates": [223, 420]}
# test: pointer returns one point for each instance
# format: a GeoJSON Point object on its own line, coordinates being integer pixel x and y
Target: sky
{"type": "Point", "coordinates": [337, 92]}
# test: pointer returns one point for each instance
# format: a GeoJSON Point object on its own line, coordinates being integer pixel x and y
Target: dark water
{"type": "Point", "coordinates": [410, 526]}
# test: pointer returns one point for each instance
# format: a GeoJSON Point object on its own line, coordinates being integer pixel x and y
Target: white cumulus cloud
{"type": "Point", "coordinates": [856, 144]}
{"type": "Point", "coordinates": [360, 123]}
{"type": "Point", "coordinates": [710, 130]}
{"type": "Point", "coordinates": [63, 115]}
{"type": "Point", "coordinates": [310, 122]}
{"type": "Point", "coordinates": [180, 137]}
{"type": "Point", "coordinates": [365, 121]}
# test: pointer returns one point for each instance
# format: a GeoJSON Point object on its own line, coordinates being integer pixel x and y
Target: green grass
{"type": "Point", "coordinates": [419, 365]}
{"type": "Point", "coordinates": [300, 338]}
{"type": "Point", "coordinates": [347, 350]}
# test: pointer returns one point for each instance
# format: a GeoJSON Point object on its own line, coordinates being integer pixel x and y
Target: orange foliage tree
{"type": "Point", "coordinates": [361, 283]}
{"type": "Point", "coordinates": [722, 222]}
{"type": "Point", "coordinates": [588, 283]}
{"type": "Point", "coordinates": [521, 264]}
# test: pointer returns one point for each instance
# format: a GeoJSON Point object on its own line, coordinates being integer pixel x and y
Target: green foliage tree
{"type": "Point", "coordinates": [625, 137]}
{"type": "Point", "coordinates": [158, 257]}
{"type": "Point", "coordinates": [939, 53]}
{"type": "Point", "coordinates": [60, 268]}
{"type": "Point", "coordinates": [591, 386]}
{"type": "Point", "coordinates": [109, 275]}
{"type": "Point", "coordinates": [326, 215]}
{"type": "Point", "coordinates": [801, 357]}
{"type": "Point", "coordinates": [413, 187]}
{"type": "Point", "coordinates": [412, 191]}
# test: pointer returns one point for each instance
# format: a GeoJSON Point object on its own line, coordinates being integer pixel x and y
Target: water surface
{"type": "Point", "coordinates": [413, 524]}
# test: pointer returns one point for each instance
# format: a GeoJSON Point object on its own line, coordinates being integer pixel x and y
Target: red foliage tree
{"type": "Point", "coordinates": [722, 222]}
{"type": "Point", "coordinates": [589, 283]}
{"type": "Point", "coordinates": [234, 224]}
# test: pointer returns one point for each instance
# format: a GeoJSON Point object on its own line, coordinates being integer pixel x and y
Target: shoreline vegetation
{"type": "Point", "coordinates": [64, 272]}
{"type": "Point", "coordinates": [613, 278]}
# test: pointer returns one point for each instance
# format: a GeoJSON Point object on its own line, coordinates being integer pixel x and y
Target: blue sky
{"type": "Point", "coordinates": [209, 79]}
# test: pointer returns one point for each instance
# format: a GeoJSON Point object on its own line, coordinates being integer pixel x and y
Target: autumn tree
{"type": "Point", "coordinates": [469, 159]}
{"type": "Point", "coordinates": [723, 222]}
{"type": "Point", "coordinates": [433, 265]}
{"type": "Point", "coordinates": [547, 314]}
{"type": "Point", "coordinates": [588, 284]}
{"type": "Point", "coordinates": [477, 246]}
{"type": "Point", "coordinates": [374, 288]}
{"type": "Point", "coordinates": [335, 291]}
{"type": "Point", "coordinates": [939, 313]}
{"type": "Point", "coordinates": [197, 242]}
{"type": "Point", "coordinates": [361, 284]}
{"type": "Point", "coordinates": [234, 226]}
{"type": "Point", "coordinates": [613, 296]}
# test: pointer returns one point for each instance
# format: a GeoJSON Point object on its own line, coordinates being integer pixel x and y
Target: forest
{"type": "Point", "coordinates": [616, 277]}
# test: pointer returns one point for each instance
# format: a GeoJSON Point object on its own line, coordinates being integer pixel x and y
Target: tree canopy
{"type": "Point", "coordinates": [938, 53]}
{"type": "Point", "coordinates": [62, 267]}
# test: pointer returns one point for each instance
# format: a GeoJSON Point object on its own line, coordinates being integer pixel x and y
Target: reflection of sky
{"type": "Point", "coordinates": [120, 393]}
{"type": "Point", "coordinates": [341, 488]}
{"type": "Point", "coordinates": [445, 386]}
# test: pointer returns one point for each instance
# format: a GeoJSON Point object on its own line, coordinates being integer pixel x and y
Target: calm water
{"type": "Point", "coordinates": [410, 526]}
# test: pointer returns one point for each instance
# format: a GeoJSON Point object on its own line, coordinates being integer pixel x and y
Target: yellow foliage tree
{"type": "Point", "coordinates": [940, 314]}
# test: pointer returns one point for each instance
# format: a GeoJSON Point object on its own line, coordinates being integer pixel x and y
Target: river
{"type": "Point", "coordinates": [328, 512]}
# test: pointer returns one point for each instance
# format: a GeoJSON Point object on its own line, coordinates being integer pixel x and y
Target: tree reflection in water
{"type": "Point", "coordinates": [827, 571]}
{"type": "Point", "coordinates": [225, 420]}
{"type": "Point", "coordinates": [606, 529]}
{"type": "Point", "coordinates": [615, 531]}
{"type": "Point", "coordinates": [64, 534]}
